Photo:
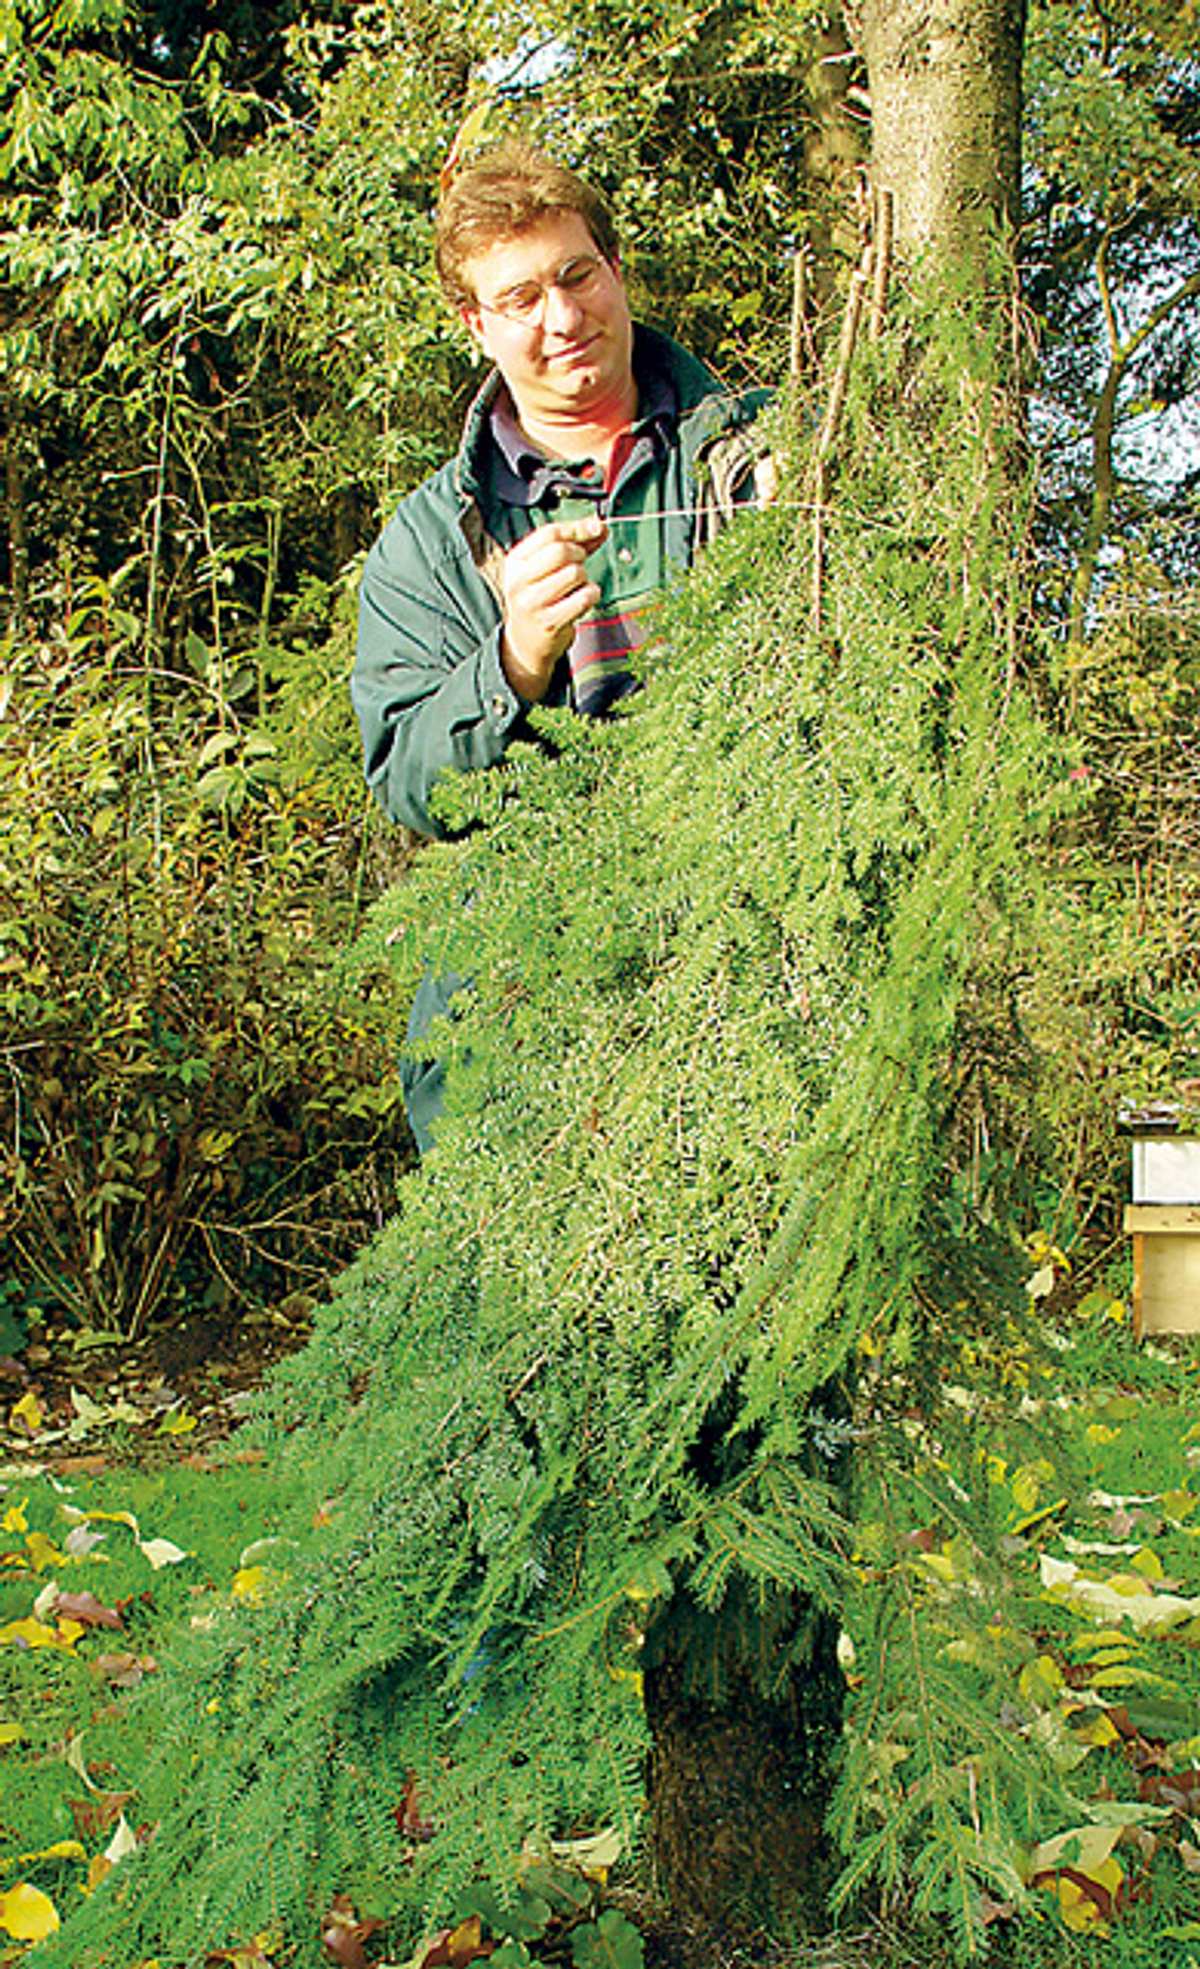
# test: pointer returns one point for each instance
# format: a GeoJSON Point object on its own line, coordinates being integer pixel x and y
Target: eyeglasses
{"type": "Point", "coordinates": [527, 302]}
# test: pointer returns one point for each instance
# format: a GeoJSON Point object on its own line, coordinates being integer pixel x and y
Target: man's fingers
{"type": "Point", "coordinates": [560, 540]}
{"type": "Point", "coordinates": [766, 481]}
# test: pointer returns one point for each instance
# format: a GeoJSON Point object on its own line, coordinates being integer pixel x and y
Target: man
{"type": "Point", "coordinates": [596, 459]}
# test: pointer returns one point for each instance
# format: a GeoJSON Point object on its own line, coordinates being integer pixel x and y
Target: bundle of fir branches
{"type": "Point", "coordinates": [700, 1137]}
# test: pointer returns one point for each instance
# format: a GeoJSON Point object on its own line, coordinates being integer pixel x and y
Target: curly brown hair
{"type": "Point", "coordinates": [502, 193]}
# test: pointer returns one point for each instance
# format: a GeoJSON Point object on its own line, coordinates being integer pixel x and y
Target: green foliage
{"type": "Point", "coordinates": [193, 1107]}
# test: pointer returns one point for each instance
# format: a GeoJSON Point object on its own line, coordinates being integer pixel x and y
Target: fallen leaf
{"type": "Point", "coordinates": [81, 1540]}
{"type": "Point", "coordinates": [123, 1670]}
{"type": "Point", "coordinates": [592, 1856]}
{"type": "Point", "coordinates": [27, 1914]}
{"type": "Point", "coordinates": [249, 1583]}
{"type": "Point", "coordinates": [14, 1518]}
{"type": "Point", "coordinates": [179, 1424]}
{"type": "Point", "coordinates": [34, 1633]}
{"type": "Point", "coordinates": [453, 1948]}
{"type": "Point", "coordinates": [122, 1843]}
{"type": "Point", "coordinates": [99, 1868]}
{"type": "Point", "coordinates": [62, 1849]}
{"type": "Point", "coordinates": [85, 1607]}
{"type": "Point", "coordinates": [343, 1935]}
{"type": "Point", "coordinates": [42, 1551]}
{"type": "Point", "coordinates": [1085, 1847]}
{"type": "Point", "coordinates": [1178, 1790]}
{"type": "Point", "coordinates": [27, 1416]}
{"type": "Point", "coordinates": [161, 1552]}
{"type": "Point", "coordinates": [408, 1815]}
{"type": "Point", "coordinates": [1190, 1855]}
{"type": "Point", "coordinates": [94, 1815]}
{"type": "Point", "coordinates": [158, 1551]}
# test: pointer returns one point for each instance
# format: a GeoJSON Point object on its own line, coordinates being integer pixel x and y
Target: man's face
{"type": "Point", "coordinates": [552, 314]}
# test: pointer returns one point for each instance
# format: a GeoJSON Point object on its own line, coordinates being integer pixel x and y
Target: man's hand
{"type": "Point", "coordinates": [546, 590]}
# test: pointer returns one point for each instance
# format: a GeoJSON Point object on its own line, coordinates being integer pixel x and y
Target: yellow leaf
{"type": "Point", "coordinates": [74, 1516]}
{"type": "Point", "coordinates": [248, 1584]}
{"type": "Point", "coordinates": [98, 1867]}
{"type": "Point", "coordinates": [937, 1564]}
{"type": "Point", "coordinates": [11, 1733]}
{"type": "Point", "coordinates": [1085, 1847]}
{"type": "Point", "coordinates": [592, 1856]}
{"type": "Point", "coordinates": [177, 1425]}
{"type": "Point", "coordinates": [1099, 1432]}
{"type": "Point", "coordinates": [1178, 1503]}
{"type": "Point", "coordinates": [14, 1518]}
{"type": "Point", "coordinates": [1026, 1486]}
{"type": "Point", "coordinates": [1037, 1517]}
{"type": "Point", "coordinates": [1096, 1731]}
{"type": "Point", "coordinates": [42, 1552]}
{"type": "Point", "coordinates": [1040, 1681]}
{"type": "Point", "coordinates": [1147, 1563]}
{"type": "Point", "coordinates": [28, 1413]}
{"type": "Point", "coordinates": [1077, 1907]}
{"type": "Point", "coordinates": [62, 1849]}
{"type": "Point", "coordinates": [159, 1551]}
{"type": "Point", "coordinates": [33, 1633]}
{"type": "Point", "coordinates": [27, 1913]}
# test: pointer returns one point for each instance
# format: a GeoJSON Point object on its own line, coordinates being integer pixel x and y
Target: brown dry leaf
{"type": "Point", "coordinates": [408, 1815]}
{"type": "Point", "coordinates": [86, 1608]}
{"type": "Point", "coordinates": [343, 1935]}
{"type": "Point", "coordinates": [124, 1671]}
{"type": "Point", "coordinates": [995, 1910]}
{"type": "Point", "coordinates": [93, 1816]}
{"type": "Point", "coordinates": [454, 1948]}
{"type": "Point", "coordinates": [1179, 1791]}
{"type": "Point", "coordinates": [1190, 1855]}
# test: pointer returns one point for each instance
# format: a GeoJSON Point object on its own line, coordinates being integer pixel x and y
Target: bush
{"type": "Point", "coordinates": [194, 1103]}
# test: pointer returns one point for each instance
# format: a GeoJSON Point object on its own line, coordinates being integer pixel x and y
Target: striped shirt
{"type": "Point", "coordinates": [628, 566]}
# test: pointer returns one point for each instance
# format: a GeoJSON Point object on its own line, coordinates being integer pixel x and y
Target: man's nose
{"type": "Point", "coordinates": [563, 312]}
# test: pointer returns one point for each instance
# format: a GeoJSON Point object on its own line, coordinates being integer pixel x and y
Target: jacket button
{"type": "Point", "coordinates": [625, 554]}
{"type": "Point", "coordinates": [499, 707]}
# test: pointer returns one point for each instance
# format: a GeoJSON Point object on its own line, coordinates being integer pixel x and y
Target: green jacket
{"type": "Point", "coordinates": [427, 686]}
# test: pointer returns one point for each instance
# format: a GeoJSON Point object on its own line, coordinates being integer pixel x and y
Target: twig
{"type": "Point", "coordinates": [799, 350]}
{"type": "Point", "coordinates": [830, 425]}
{"type": "Point", "coordinates": [885, 212]}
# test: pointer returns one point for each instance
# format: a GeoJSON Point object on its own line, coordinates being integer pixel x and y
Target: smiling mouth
{"type": "Point", "coordinates": [574, 352]}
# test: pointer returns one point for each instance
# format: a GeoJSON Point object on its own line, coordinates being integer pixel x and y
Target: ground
{"type": "Point", "coordinates": [126, 1509]}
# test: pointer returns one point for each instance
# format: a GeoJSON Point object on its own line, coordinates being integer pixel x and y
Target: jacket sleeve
{"type": "Point", "coordinates": [427, 687]}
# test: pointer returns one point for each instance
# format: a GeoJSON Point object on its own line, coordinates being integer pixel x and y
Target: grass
{"type": "Point", "coordinates": [1104, 1666]}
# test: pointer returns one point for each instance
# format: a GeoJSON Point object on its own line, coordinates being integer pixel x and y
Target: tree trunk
{"type": "Point", "coordinates": [745, 1709]}
{"type": "Point", "coordinates": [945, 81]}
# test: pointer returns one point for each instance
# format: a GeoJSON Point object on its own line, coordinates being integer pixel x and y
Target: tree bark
{"type": "Point", "coordinates": [945, 82]}
{"type": "Point", "coordinates": [745, 1710]}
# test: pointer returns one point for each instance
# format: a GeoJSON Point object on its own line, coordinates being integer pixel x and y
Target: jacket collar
{"type": "Point", "coordinates": [692, 382]}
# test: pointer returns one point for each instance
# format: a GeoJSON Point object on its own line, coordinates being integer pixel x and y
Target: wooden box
{"type": "Point", "coordinates": [1166, 1266]}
